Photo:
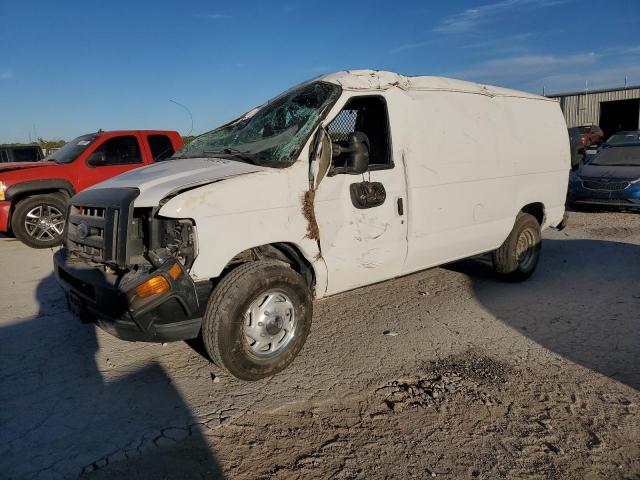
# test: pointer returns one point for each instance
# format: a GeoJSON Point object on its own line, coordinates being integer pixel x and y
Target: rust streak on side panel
{"type": "Point", "coordinates": [308, 210]}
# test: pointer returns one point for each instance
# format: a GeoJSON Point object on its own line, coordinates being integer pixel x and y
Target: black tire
{"type": "Point", "coordinates": [28, 234]}
{"type": "Point", "coordinates": [510, 261]}
{"type": "Point", "coordinates": [224, 319]}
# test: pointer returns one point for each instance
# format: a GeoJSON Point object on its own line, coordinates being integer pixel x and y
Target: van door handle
{"type": "Point", "coordinates": [400, 207]}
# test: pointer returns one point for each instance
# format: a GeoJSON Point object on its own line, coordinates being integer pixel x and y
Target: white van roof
{"type": "Point", "coordinates": [363, 80]}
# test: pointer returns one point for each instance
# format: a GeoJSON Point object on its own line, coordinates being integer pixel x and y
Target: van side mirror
{"type": "Point", "coordinates": [320, 157]}
{"type": "Point", "coordinates": [356, 154]}
{"type": "Point", "coordinates": [97, 159]}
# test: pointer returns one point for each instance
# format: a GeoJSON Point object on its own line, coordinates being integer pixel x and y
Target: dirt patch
{"type": "Point", "coordinates": [612, 232]}
{"type": "Point", "coordinates": [468, 374]}
{"type": "Point", "coordinates": [607, 225]}
{"type": "Point", "coordinates": [468, 415]}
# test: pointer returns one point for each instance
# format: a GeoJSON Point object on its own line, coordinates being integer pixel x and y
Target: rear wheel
{"type": "Point", "coordinates": [257, 319]}
{"type": "Point", "coordinates": [518, 256]}
{"type": "Point", "coordinates": [39, 221]}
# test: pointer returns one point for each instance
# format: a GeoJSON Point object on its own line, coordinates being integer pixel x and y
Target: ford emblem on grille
{"type": "Point", "coordinates": [83, 230]}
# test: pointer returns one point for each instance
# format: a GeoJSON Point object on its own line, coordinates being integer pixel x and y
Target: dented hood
{"type": "Point", "coordinates": [162, 179]}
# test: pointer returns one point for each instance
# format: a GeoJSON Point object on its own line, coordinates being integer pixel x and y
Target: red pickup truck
{"type": "Point", "coordinates": [33, 195]}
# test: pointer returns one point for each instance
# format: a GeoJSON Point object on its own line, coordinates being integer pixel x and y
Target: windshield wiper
{"type": "Point", "coordinates": [234, 153]}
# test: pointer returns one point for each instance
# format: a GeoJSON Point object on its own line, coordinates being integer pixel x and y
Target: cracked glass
{"type": "Point", "coordinates": [274, 134]}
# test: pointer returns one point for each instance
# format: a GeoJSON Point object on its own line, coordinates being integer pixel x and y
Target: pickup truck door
{"type": "Point", "coordinates": [361, 219]}
{"type": "Point", "coordinates": [111, 157]}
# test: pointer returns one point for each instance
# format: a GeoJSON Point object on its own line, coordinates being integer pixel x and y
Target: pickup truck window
{"type": "Point", "coordinates": [26, 154]}
{"type": "Point", "coordinates": [72, 149]}
{"type": "Point", "coordinates": [272, 135]}
{"type": "Point", "coordinates": [119, 151]}
{"type": "Point", "coordinates": [367, 115]}
{"type": "Point", "coordinates": [161, 147]}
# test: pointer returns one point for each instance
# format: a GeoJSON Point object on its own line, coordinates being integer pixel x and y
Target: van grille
{"type": "Point", "coordinates": [86, 232]}
{"type": "Point", "coordinates": [97, 224]}
{"type": "Point", "coordinates": [611, 186]}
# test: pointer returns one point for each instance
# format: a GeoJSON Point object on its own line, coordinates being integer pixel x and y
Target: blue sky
{"type": "Point", "coordinates": [68, 68]}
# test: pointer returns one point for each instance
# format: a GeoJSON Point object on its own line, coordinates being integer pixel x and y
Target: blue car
{"type": "Point", "coordinates": [610, 178]}
{"type": "Point", "coordinates": [629, 136]}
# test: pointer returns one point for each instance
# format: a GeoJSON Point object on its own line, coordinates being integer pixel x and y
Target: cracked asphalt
{"type": "Point", "coordinates": [478, 379]}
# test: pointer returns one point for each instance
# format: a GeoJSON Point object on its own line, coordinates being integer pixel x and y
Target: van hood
{"type": "Point", "coordinates": [159, 180]}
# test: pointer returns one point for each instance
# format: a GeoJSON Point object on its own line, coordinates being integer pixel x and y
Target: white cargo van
{"type": "Point", "coordinates": [346, 180]}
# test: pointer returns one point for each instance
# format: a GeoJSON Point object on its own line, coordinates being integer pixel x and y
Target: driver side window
{"type": "Point", "coordinates": [118, 151]}
{"type": "Point", "coordinates": [368, 115]}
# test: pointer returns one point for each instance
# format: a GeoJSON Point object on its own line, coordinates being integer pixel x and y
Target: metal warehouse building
{"type": "Point", "coordinates": [614, 109]}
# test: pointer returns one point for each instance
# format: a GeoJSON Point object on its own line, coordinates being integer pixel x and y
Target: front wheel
{"type": "Point", "coordinates": [257, 319]}
{"type": "Point", "coordinates": [39, 221]}
{"type": "Point", "coordinates": [517, 258]}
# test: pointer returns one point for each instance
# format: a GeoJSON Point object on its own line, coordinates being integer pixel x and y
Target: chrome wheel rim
{"type": "Point", "coordinates": [269, 323]}
{"type": "Point", "coordinates": [44, 222]}
{"type": "Point", "coordinates": [525, 250]}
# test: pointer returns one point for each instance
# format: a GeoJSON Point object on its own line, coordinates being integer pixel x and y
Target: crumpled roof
{"type": "Point", "coordinates": [383, 80]}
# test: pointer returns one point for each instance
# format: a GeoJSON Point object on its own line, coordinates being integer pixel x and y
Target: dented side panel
{"type": "Point", "coordinates": [247, 211]}
{"type": "Point", "coordinates": [362, 246]}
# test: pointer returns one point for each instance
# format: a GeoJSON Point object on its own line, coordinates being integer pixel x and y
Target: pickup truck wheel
{"type": "Point", "coordinates": [518, 256]}
{"type": "Point", "coordinates": [39, 221]}
{"type": "Point", "coordinates": [257, 319]}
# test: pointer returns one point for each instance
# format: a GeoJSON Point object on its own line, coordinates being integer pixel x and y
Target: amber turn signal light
{"type": "Point", "coordinates": [153, 286]}
{"type": "Point", "coordinates": [175, 271]}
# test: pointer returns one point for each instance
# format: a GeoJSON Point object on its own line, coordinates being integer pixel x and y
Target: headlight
{"type": "Point", "coordinates": [2, 189]}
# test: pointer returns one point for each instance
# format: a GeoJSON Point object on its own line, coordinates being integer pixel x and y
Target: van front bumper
{"type": "Point", "coordinates": [97, 297]}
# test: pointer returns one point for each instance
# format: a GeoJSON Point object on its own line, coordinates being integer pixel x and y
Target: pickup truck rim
{"type": "Point", "coordinates": [525, 249]}
{"type": "Point", "coordinates": [44, 222]}
{"type": "Point", "coordinates": [270, 323]}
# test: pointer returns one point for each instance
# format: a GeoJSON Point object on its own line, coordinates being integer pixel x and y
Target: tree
{"type": "Point", "coordinates": [48, 144]}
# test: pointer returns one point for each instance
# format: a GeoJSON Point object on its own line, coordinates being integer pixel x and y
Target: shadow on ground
{"type": "Point", "coordinates": [583, 303]}
{"type": "Point", "coordinates": [60, 418]}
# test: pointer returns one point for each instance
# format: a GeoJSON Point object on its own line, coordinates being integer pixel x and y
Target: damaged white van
{"type": "Point", "coordinates": [348, 179]}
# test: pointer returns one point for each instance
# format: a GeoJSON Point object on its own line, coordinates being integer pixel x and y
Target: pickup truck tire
{"type": "Point", "coordinates": [257, 319]}
{"type": "Point", "coordinates": [39, 221]}
{"type": "Point", "coordinates": [516, 259]}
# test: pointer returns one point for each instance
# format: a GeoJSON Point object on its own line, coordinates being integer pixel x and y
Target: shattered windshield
{"type": "Point", "coordinates": [274, 134]}
{"type": "Point", "coordinates": [72, 150]}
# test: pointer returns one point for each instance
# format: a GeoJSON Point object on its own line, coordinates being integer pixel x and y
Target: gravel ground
{"type": "Point", "coordinates": [474, 379]}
